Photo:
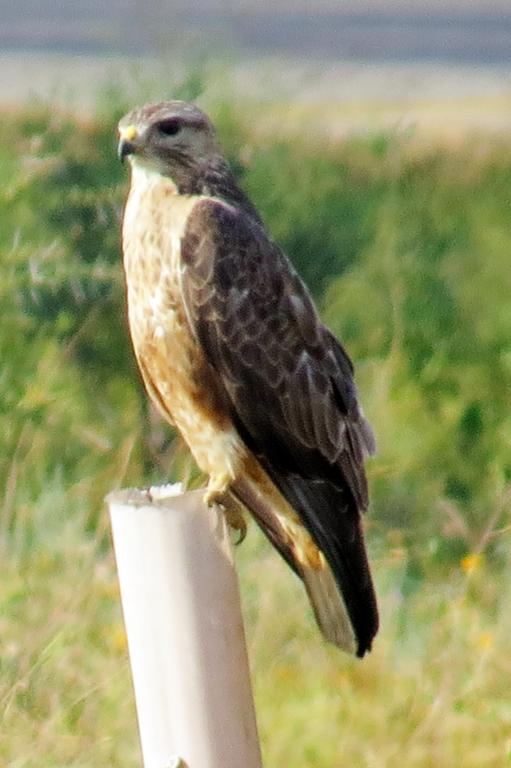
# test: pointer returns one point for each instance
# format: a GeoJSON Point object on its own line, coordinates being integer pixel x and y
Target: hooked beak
{"type": "Point", "coordinates": [126, 145]}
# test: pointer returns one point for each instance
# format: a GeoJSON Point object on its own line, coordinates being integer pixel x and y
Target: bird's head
{"type": "Point", "coordinates": [173, 138]}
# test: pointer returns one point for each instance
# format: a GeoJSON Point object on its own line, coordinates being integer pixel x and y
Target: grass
{"type": "Point", "coordinates": [434, 691]}
{"type": "Point", "coordinates": [413, 274]}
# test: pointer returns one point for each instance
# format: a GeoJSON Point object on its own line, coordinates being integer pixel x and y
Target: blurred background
{"type": "Point", "coordinates": [376, 143]}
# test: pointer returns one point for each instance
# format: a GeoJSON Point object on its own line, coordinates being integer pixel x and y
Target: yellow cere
{"type": "Point", "coordinates": [128, 133]}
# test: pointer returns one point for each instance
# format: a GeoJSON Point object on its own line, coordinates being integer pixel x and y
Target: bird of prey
{"type": "Point", "coordinates": [233, 353]}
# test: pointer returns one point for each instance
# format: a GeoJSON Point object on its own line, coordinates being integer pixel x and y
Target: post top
{"type": "Point", "coordinates": [155, 496]}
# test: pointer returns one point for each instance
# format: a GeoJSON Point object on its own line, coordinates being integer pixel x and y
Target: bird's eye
{"type": "Point", "coordinates": [169, 127]}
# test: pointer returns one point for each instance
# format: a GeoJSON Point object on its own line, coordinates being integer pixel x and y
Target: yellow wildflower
{"type": "Point", "coordinates": [118, 639]}
{"type": "Point", "coordinates": [485, 641]}
{"type": "Point", "coordinates": [471, 563]}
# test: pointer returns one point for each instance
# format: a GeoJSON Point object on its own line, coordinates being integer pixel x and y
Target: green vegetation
{"type": "Point", "coordinates": [407, 252]}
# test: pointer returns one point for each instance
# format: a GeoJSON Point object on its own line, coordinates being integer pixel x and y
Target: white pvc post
{"type": "Point", "coordinates": [183, 621]}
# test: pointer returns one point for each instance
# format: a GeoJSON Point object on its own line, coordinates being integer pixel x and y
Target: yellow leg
{"type": "Point", "coordinates": [218, 486]}
{"type": "Point", "coordinates": [218, 493]}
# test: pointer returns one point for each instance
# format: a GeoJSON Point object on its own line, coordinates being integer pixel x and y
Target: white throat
{"type": "Point", "coordinates": [144, 175]}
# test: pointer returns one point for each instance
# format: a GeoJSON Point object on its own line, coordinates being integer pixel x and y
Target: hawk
{"type": "Point", "coordinates": [233, 353]}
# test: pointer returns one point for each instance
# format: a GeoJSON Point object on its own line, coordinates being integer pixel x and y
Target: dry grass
{"type": "Point", "coordinates": [434, 259]}
{"type": "Point", "coordinates": [434, 692]}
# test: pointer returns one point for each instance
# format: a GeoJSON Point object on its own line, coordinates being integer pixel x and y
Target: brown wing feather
{"type": "Point", "coordinates": [289, 380]}
{"type": "Point", "coordinates": [293, 399]}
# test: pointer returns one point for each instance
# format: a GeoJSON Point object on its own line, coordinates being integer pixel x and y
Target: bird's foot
{"type": "Point", "coordinates": [217, 489]}
{"type": "Point", "coordinates": [217, 493]}
{"type": "Point", "coordinates": [236, 521]}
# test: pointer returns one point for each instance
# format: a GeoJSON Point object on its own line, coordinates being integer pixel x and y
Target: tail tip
{"type": "Point", "coordinates": [332, 614]}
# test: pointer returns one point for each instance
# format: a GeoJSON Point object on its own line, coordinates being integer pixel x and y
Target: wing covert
{"type": "Point", "coordinates": [288, 379]}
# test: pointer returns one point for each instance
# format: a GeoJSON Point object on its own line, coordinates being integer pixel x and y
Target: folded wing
{"type": "Point", "coordinates": [290, 384]}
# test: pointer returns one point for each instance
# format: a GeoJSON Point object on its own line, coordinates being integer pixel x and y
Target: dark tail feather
{"type": "Point", "coordinates": [335, 524]}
